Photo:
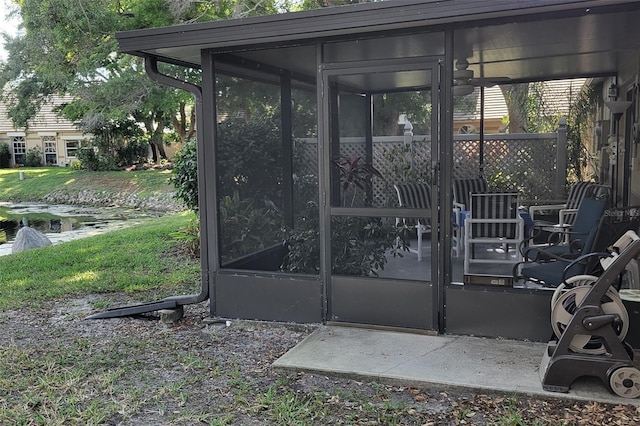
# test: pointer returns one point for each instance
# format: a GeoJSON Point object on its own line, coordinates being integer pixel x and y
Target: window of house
{"type": "Point", "coordinates": [50, 150]}
{"type": "Point", "coordinates": [72, 147]}
{"type": "Point", "coordinates": [19, 149]}
{"type": "Point", "coordinates": [467, 129]}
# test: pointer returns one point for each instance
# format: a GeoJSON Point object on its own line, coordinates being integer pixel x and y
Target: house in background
{"type": "Point", "coordinates": [495, 111]}
{"type": "Point", "coordinates": [555, 98]}
{"type": "Point", "coordinates": [57, 139]}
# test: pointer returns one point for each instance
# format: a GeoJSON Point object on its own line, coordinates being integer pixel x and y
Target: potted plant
{"type": "Point", "coordinates": [359, 245]}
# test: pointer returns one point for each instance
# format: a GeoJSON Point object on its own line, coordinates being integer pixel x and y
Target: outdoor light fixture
{"type": "Point", "coordinates": [613, 92]}
{"type": "Point", "coordinates": [617, 108]}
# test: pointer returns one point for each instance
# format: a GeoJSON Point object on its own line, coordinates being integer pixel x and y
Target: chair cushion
{"type": "Point", "coordinates": [463, 187]}
{"type": "Point", "coordinates": [492, 207]}
{"type": "Point", "coordinates": [550, 273]}
{"type": "Point", "coordinates": [577, 193]}
{"type": "Point", "coordinates": [414, 195]}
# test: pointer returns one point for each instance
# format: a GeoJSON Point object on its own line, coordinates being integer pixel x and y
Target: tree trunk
{"type": "Point", "coordinates": [515, 95]}
{"type": "Point", "coordinates": [155, 141]}
{"type": "Point", "coordinates": [154, 153]}
{"type": "Point", "coordinates": [192, 127]}
{"type": "Point", "coordinates": [185, 129]}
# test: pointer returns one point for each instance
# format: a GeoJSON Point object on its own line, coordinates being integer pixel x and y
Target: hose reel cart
{"type": "Point", "coordinates": [590, 323]}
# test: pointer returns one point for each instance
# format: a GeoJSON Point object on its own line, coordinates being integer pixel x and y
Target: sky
{"type": "Point", "coordinates": [8, 26]}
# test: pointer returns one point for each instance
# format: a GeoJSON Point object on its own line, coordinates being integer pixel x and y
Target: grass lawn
{"type": "Point", "coordinates": [40, 181]}
{"type": "Point", "coordinates": [58, 369]}
{"type": "Point", "coordinates": [141, 258]}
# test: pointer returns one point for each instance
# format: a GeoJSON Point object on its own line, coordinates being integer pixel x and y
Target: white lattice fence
{"type": "Point", "coordinates": [526, 163]}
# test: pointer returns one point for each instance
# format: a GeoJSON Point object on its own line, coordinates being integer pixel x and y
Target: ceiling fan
{"type": "Point", "coordinates": [464, 83]}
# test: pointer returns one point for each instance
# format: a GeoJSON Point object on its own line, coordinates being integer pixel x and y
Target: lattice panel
{"type": "Point", "coordinates": [307, 161]}
{"type": "Point", "coordinates": [466, 159]}
{"type": "Point", "coordinates": [525, 165]}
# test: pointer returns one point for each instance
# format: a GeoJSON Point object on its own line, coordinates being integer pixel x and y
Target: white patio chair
{"type": "Point", "coordinates": [462, 190]}
{"type": "Point", "coordinates": [493, 220]}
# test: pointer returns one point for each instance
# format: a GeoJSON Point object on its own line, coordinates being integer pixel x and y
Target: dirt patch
{"type": "Point", "coordinates": [58, 368]}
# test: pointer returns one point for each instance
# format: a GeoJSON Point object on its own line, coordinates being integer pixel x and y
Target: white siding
{"type": "Point", "coordinates": [45, 125]}
{"type": "Point", "coordinates": [557, 96]}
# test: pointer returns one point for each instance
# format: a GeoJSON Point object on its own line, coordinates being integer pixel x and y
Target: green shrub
{"type": "Point", "coordinates": [33, 157]}
{"type": "Point", "coordinates": [185, 175]}
{"type": "Point", "coordinates": [91, 160]}
{"type": "Point", "coordinates": [246, 228]}
{"type": "Point", "coordinates": [249, 160]}
{"type": "Point", "coordinates": [135, 151]}
{"type": "Point", "coordinates": [189, 237]}
{"type": "Point", "coordinates": [358, 244]}
{"type": "Point", "coordinates": [5, 155]}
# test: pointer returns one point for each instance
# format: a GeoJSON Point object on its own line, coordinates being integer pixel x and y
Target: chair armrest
{"type": "Point", "coordinates": [582, 259]}
{"type": "Point", "coordinates": [540, 208]}
{"type": "Point", "coordinates": [457, 209]}
{"type": "Point", "coordinates": [566, 212]}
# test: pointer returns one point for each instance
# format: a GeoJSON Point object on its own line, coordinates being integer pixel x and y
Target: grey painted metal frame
{"type": "Point", "coordinates": [207, 172]}
{"type": "Point", "coordinates": [271, 297]}
{"type": "Point", "coordinates": [249, 293]}
{"type": "Point", "coordinates": [471, 24]}
{"type": "Point", "coordinates": [499, 312]}
{"type": "Point", "coordinates": [443, 175]}
{"type": "Point", "coordinates": [383, 302]}
{"type": "Point", "coordinates": [407, 304]}
{"type": "Point", "coordinates": [364, 19]}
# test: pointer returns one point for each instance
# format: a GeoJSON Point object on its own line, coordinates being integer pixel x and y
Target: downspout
{"type": "Point", "coordinates": [151, 67]}
{"type": "Point", "coordinates": [172, 302]}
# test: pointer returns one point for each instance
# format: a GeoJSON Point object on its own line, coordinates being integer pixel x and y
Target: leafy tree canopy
{"type": "Point", "coordinates": [69, 47]}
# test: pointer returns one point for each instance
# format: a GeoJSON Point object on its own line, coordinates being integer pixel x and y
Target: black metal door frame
{"type": "Point", "coordinates": [356, 286]}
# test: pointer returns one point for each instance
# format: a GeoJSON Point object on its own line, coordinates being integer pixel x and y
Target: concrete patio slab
{"type": "Point", "coordinates": [474, 363]}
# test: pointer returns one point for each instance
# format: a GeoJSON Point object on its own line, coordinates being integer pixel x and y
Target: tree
{"type": "Point", "coordinates": [70, 48]}
{"type": "Point", "coordinates": [515, 96]}
{"type": "Point", "coordinates": [579, 123]}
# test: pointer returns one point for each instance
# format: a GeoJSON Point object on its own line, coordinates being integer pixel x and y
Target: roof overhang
{"type": "Point", "coordinates": [525, 41]}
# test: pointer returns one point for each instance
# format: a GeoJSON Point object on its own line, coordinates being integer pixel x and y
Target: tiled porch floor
{"type": "Point", "coordinates": [408, 266]}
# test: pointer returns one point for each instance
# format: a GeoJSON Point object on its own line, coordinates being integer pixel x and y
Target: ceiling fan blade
{"type": "Point", "coordinates": [489, 81]}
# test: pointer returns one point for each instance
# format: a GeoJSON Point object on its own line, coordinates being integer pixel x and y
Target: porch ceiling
{"type": "Point", "coordinates": [525, 41]}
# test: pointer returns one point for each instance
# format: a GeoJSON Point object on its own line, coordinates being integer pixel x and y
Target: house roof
{"type": "Point", "coordinates": [46, 118]}
{"type": "Point", "coordinates": [524, 41]}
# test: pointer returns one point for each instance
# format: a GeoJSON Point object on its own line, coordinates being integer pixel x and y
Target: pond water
{"type": "Point", "coordinates": [62, 222]}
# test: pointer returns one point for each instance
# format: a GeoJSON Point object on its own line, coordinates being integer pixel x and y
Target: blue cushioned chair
{"type": "Point", "coordinates": [567, 211]}
{"type": "Point", "coordinates": [555, 269]}
{"type": "Point", "coordinates": [569, 242]}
